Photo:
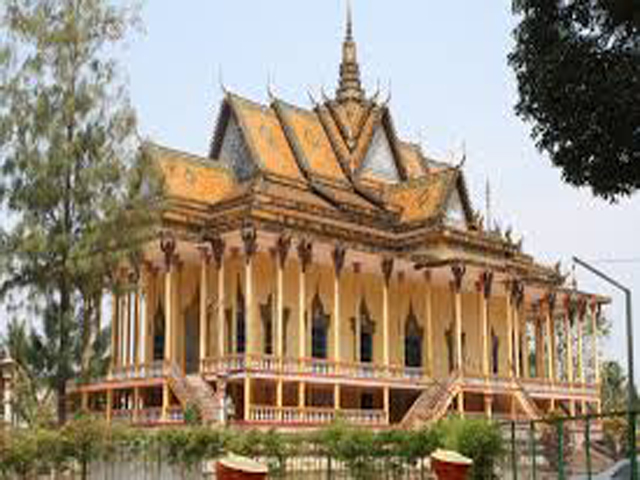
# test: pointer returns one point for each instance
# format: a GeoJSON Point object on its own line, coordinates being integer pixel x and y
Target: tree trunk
{"type": "Point", "coordinates": [61, 386]}
{"type": "Point", "coordinates": [87, 334]}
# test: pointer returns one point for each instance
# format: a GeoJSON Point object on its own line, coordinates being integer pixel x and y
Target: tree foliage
{"type": "Point", "coordinates": [365, 453]}
{"type": "Point", "coordinates": [477, 439]}
{"type": "Point", "coordinates": [80, 194]}
{"type": "Point", "coordinates": [577, 64]}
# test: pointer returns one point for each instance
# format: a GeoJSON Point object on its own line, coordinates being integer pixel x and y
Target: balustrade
{"type": "Point", "coordinates": [314, 415]}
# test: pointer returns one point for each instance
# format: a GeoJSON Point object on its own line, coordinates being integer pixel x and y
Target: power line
{"type": "Point", "coordinates": [617, 260]}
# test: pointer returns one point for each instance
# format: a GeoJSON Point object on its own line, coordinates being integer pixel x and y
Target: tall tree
{"type": "Point", "coordinates": [80, 193]}
{"type": "Point", "coordinates": [577, 64]}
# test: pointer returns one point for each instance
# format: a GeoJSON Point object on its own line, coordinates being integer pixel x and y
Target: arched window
{"type": "Point", "coordinates": [367, 330]}
{"type": "Point", "coordinates": [495, 352]}
{"type": "Point", "coordinates": [413, 335]}
{"type": "Point", "coordinates": [319, 328]}
{"type": "Point", "coordinates": [241, 333]}
{"type": "Point", "coordinates": [448, 336]}
{"type": "Point", "coordinates": [158, 333]}
{"type": "Point", "coordinates": [266, 314]}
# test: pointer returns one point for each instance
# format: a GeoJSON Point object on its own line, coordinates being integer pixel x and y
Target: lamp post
{"type": "Point", "coordinates": [631, 392]}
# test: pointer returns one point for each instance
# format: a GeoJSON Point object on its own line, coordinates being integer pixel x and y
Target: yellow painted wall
{"type": "Point", "coordinates": [404, 293]}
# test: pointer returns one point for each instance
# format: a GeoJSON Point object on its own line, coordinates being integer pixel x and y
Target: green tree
{"type": "Point", "coordinates": [613, 387]}
{"type": "Point", "coordinates": [577, 64]}
{"type": "Point", "coordinates": [477, 439]}
{"type": "Point", "coordinates": [29, 401]}
{"type": "Point", "coordinates": [80, 194]}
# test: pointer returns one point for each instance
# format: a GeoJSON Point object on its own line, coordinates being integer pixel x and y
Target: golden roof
{"type": "Point", "coordinates": [336, 169]}
{"type": "Point", "coordinates": [191, 177]}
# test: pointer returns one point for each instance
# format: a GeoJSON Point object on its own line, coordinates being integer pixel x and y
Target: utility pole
{"type": "Point", "coordinates": [631, 389]}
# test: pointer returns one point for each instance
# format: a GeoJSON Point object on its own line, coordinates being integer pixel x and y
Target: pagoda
{"type": "Point", "coordinates": [315, 266]}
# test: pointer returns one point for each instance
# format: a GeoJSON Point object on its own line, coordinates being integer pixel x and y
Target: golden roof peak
{"type": "Point", "coordinates": [349, 86]}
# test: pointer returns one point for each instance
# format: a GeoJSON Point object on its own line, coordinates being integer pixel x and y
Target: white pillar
{"type": "Point", "coordinates": [250, 239]}
{"type": "Point", "coordinates": [569, 340]}
{"type": "Point", "coordinates": [144, 324]}
{"type": "Point", "coordinates": [518, 297]}
{"type": "Point", "coordinates": [429, 321]}
{"type": "Point", "coordinates": [282, 247]}
{"type": "Point", "coordinates": [218, 249]}
{"type": "Point", "coordinates": [137, 315]}
{"type": "Point", "coordinates": [510, 347]}
{"type": "Point", "coordinates": [550, 304]}
{"type": "Point", "coordinates": [595, 311]}
{"type": "Point", "coordinates": [115, 331]}
{"type": "Point", "coordinates": [338, 259]}
{"type": "Point", "coordinates": [305, 255]}
{"type": "Point", "coordinates": [582, 307]}
{"type": "Point", "coordinates": [168, 247]}
{"type": "Point", "coordinates": [205, 259]}
{"type": "Point", "coordinates": [126, 335]}
{"type": "Point", "coordinates": [486, 282]}
{"type": "Point", "coordinates": [458, 275]}
{"type": "Point", "coordinates": [387, 271]}
{"type": "Point", "coordinates": [168, 314]}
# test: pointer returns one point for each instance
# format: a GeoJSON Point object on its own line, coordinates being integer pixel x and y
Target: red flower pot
{"type": "Point", "coordinates": [239, 468]}
{"type": "Point", "coordinates": [450, 465]}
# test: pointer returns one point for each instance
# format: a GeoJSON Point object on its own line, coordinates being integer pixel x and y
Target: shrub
{"type": "Point", "coordinates": [480, 440]}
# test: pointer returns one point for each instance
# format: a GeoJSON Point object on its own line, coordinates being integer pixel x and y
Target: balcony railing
{"type": "Point", "coordinates": [314, 416]}
{"type": "Point", "coordinates": [270, 365]}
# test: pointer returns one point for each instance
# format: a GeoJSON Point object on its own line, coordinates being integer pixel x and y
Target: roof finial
{"type": "Point", "coordinates": [349, 87]}
{"type": "Point", "coordinates": [349, 21]}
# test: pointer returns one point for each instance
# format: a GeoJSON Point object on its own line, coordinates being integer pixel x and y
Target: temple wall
{"type": "Point", "coordinates": [404, 294]}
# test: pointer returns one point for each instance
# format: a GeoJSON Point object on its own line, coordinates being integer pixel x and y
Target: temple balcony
{"type": "Point", "coordinates": [317, 370]}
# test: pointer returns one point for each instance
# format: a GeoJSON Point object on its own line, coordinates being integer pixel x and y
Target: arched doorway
{"type": "Point", "coordinates": [413, 340]}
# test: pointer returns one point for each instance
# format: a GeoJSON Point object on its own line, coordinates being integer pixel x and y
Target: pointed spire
{"type": "Point", "coordinates": [349, 86]}
{"type": "Point", "coordinates": [349, 22]}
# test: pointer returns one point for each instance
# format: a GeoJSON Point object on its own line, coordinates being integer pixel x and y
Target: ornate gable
{"type": "Point", "coordinates": [454, 214]}
{"type": "Point", "coordinates": [379, 162]}
{"type": "Point", "coordinates": [234, 151]}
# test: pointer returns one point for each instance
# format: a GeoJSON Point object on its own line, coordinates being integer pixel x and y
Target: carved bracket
{"type": "Point", "coordinates": [282, 248]}
{"type": "Point", "coordinates": [458, 270]}
{"type": "Point", "coordinates": [486, 283]}
{"type": "Point", "coordinates": [168, 247]}
{"type": "Point", "coordinates": [305, 253]}
{"type": "Point", "coordinates": [550, 300]}
{"type": "Point", "coordinates": [387, 269]}
{"type": "Point", "coordinates": [205, 253]}
{"type": "Point", "coordinates": [582, 307]}
{"type": "Point", "coordinates": [218, 246]}
{"type": "Point", "coordinates": [250, 240]}
{"type": "Point", "coordinates": [339, 253]}
{"type": "Point", "coordinates": [517, 292]}
{"type": "Point", "coordinates": [594, 306]}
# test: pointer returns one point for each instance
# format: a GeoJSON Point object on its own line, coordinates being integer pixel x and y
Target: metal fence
{"type": "Point", "coordinates": [292, 468]}
{"type": "Point", "coordinates": [572, 448]}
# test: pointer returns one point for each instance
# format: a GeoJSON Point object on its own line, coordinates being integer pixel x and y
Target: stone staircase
{"type": "Point", "coordinates": [527, 403]}
{"type": "Point", "coordinates": [194, 390]}
{"type": "Point", "coordinates": [203, 396]}
{"type": "Point", "coordinates": [432, 403]}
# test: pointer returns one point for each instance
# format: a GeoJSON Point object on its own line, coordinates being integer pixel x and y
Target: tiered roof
{"type": "Point", "coordinates": [336, 170]}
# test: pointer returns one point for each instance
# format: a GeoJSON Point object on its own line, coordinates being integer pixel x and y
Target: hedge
{"type": "Point", "coordinates": [84, 440]}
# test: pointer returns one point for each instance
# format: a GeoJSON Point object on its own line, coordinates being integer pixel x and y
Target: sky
{"type": "Point", "coordinates": [446, 66]}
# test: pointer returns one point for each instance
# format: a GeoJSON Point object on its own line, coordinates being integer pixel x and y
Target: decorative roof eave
{"type": "Point", "coordinates": [387, 121]}
{"type": "Point", "coordinates": [230, 107]}
{"type": "Point", "coordinates": [303, 162]}
{"type": "Point", "coordinates": [461, 184]}
{"type": "Point", "coordinates": [534, 276]}
{"type": "Point", "coordinates": [221, 126]}
{"type": "Point", "coordinates": [325, 116]}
